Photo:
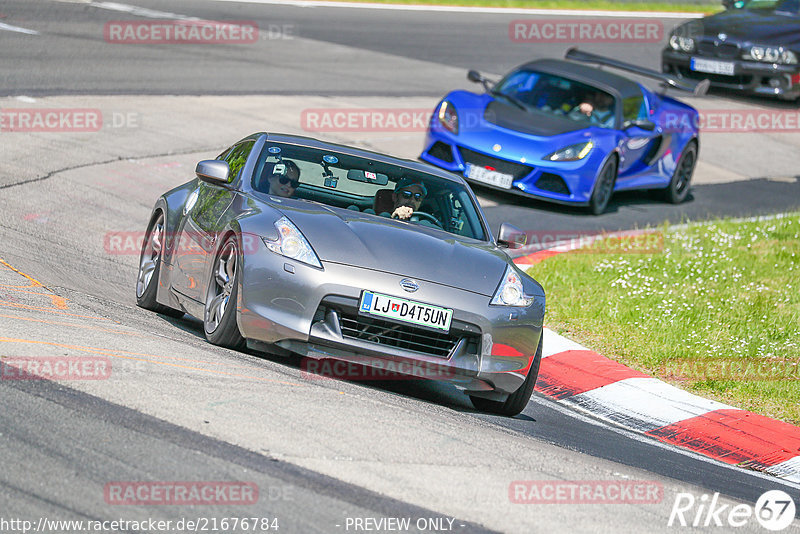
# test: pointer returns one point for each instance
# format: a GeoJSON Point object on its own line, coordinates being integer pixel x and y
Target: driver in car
{"type": "Point", "coordinates": [599, 108]}
{"type": "Point", "coordinates": [407, 197]}
{"type": "Point", "coordinates": [283, 178]}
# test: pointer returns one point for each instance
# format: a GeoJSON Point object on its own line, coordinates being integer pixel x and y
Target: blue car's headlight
{"type": "Point", "coordinates": [448, 117]}
{"type": "Point", "coordinates": [292, 244]}
{"type": "Point", "coordinates": [571, 153]}
{"type": "Point", "coordinates": [510, 292]}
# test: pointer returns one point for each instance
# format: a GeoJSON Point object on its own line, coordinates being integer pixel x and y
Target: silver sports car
{"type": "Point", "coordinates": [291, 245]}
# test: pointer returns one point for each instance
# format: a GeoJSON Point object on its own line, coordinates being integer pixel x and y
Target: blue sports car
{"type": "Point", "coordinates": [569, 133]}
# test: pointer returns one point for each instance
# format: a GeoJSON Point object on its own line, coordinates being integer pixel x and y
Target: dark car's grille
{"type": "Point", "coordinates": [517, 170]}
{"type": "Point", "coordinates": [718, 49]}
{"type": "Point", "coordinates": [401, 336]}
{"type": "Point", "coordinates": [552, 182]}
{"type": "Point", "coordinates": [741, 79]}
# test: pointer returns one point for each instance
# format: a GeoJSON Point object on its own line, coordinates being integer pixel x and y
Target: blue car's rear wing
{"type": "Point", "coordinates": [697, 88]}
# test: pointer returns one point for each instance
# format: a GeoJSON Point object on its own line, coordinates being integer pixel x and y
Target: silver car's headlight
{"type": "Point", "coordinates": [292, 244]}
{"type": "Point", "coordinates": [571, 153]}
{"type": "Point", "coordinates": [510, 292]}
{"type": "Point", "coordinates": [684, 44]}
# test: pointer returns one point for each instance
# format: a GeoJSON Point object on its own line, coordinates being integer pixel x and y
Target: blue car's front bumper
{"type": "Point", "coordinates": [569, 182]}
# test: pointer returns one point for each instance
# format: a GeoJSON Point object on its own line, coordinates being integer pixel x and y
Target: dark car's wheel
{"type": "Point", "coordinates": [604, 187]}
{"type": "Point", "coordinates": [150, 267]}
{"type": "Point", "coordinates": [517, 401]}
{"type": "Point", "coordinates": [219, 319]}
{"type": "Point", "coordinates": [678, 188]}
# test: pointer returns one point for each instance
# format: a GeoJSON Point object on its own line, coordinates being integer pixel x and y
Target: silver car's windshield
{"type": "Point", "coordinates": [367, 186]}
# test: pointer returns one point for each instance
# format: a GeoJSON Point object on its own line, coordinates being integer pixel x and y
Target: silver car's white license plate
{"type": "Point", "coordinates": [712, 67]}
{"type": "Point", "coordinates": [407, 311]}
{"type": "Point", "coordinates": [483, 175]}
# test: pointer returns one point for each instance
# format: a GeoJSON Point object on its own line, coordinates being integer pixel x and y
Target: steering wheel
{"type": "Point", "coordinates": [421, 215]}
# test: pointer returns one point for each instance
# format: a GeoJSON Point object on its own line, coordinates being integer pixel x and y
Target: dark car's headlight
{"type": "Point", "coordinates": [571, 153]}
{"type": "Point", "coordinates": [770, 54]}
{"type": "Point", "coordinates": [510, 292]}
{"type": "Point", "coordinates": [682, 44]}
{"type": "Point", "coordinates": [292, 244]}
{"type": "Point", "coordinates": [448, 117]}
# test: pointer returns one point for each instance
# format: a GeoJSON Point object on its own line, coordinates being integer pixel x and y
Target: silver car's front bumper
{"type": "Point", "coordinates": [303, 309]}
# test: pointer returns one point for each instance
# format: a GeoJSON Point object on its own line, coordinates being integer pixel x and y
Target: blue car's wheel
{"type": "Point", "coordinates": [678, 188]}
{"type": "Point", "coordinates": [604, 187]}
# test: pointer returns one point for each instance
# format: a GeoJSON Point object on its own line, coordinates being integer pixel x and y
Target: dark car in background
{"type": "Point", "coordinates": [753, 47]}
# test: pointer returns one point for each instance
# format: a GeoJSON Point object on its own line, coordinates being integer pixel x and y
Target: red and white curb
{"type": "Point", "coordinates": [577, 377]}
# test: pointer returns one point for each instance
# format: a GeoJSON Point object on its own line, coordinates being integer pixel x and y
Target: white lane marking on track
{"type": "Point", "coordinates": [17, 29]}
{"type": "Point", "coordinates": [556, 344]}
{"type": "Point", "coordinates": [644, 404]}
{"type": "Point", "coordinates": [141, 11]}
{"type": "Point", "coordinates": [465, 9]}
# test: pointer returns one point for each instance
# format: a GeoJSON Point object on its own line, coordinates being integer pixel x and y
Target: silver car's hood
{"type": "Point", "coordinates": [416, 251]}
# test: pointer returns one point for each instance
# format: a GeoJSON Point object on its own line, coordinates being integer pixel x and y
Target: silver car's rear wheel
{"type": "Point", "coordinates": [147, 279]}
{"type": "Point", "coordinates": [219, 319]}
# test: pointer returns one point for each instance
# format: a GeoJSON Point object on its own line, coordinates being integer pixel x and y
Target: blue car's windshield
{"type": "Point", "coordinates": [367, 186]}
{"type": "Point", "coordinates": [555, 95]}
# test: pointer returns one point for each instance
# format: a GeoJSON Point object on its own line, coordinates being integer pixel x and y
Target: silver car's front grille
{"type": "Point", "coordinates": [396, 335]}
{"type": "Point", "coordinates": [463, 338]}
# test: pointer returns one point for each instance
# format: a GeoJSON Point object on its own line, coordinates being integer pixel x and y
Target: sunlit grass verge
{"type": "Point", "coordinates": [603, 5]}
{"type": "Point", "coordinates": [717, 312]}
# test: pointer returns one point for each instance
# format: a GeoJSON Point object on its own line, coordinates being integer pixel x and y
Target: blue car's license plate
{"type": "Point", "coordinates": [407, 311]}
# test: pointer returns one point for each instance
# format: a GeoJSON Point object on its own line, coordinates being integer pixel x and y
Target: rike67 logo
{"type": "Point", "coordinates": [774, 510]}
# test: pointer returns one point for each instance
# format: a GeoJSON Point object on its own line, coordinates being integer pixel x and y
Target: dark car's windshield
{"type": "Point", "coordinates": [783, 6]}
{"type": "Point", "coordinates": [367, 186]}
{"type": "Point", "coordinates": [556, 95]}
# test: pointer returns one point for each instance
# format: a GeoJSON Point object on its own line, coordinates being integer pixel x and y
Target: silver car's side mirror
{"type": "Point", "coordinates": [510, 236]}
{"type": "Point", "coordinates": [213, 171]}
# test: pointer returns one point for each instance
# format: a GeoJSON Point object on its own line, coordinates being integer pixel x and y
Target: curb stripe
{"type": "Point", "coordinates": [643, 404]}
{"type": "Point", "coordinates": [555, 344]}
{"type": "Point", "coordinates": [735, 436]}
{"type": "Point", "coordinates": [577, 371]}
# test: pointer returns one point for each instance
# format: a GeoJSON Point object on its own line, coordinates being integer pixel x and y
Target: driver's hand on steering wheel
{"type": "Point", "coordinates": [403, 212]}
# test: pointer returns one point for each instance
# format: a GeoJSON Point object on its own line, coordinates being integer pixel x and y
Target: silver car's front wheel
{"type": "Point", "coordinates": [219, 319]}
{"type": "Point", "coordinates": [147, 279]}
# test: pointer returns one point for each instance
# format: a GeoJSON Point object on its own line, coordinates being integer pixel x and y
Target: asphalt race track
{"type": "Point", "coordinates": [325, 456]}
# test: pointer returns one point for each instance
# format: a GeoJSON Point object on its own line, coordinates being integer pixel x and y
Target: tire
{"type": "Point", "coordinates": [517, 401]}
{"type": "Point", "coordinates": [147, 278]}
{"type": "Point", "coordinates": [219, 317]}
{"type": "Point", "coordinates": [603, 187]}
{"type": "Point", "coordinates": [678, 188]}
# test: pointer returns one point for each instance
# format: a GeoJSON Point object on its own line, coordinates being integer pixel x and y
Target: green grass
{"type": "Point", "coordinates": [606, 5]}
{"type": "Point", "coordinates": [717, 312]}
